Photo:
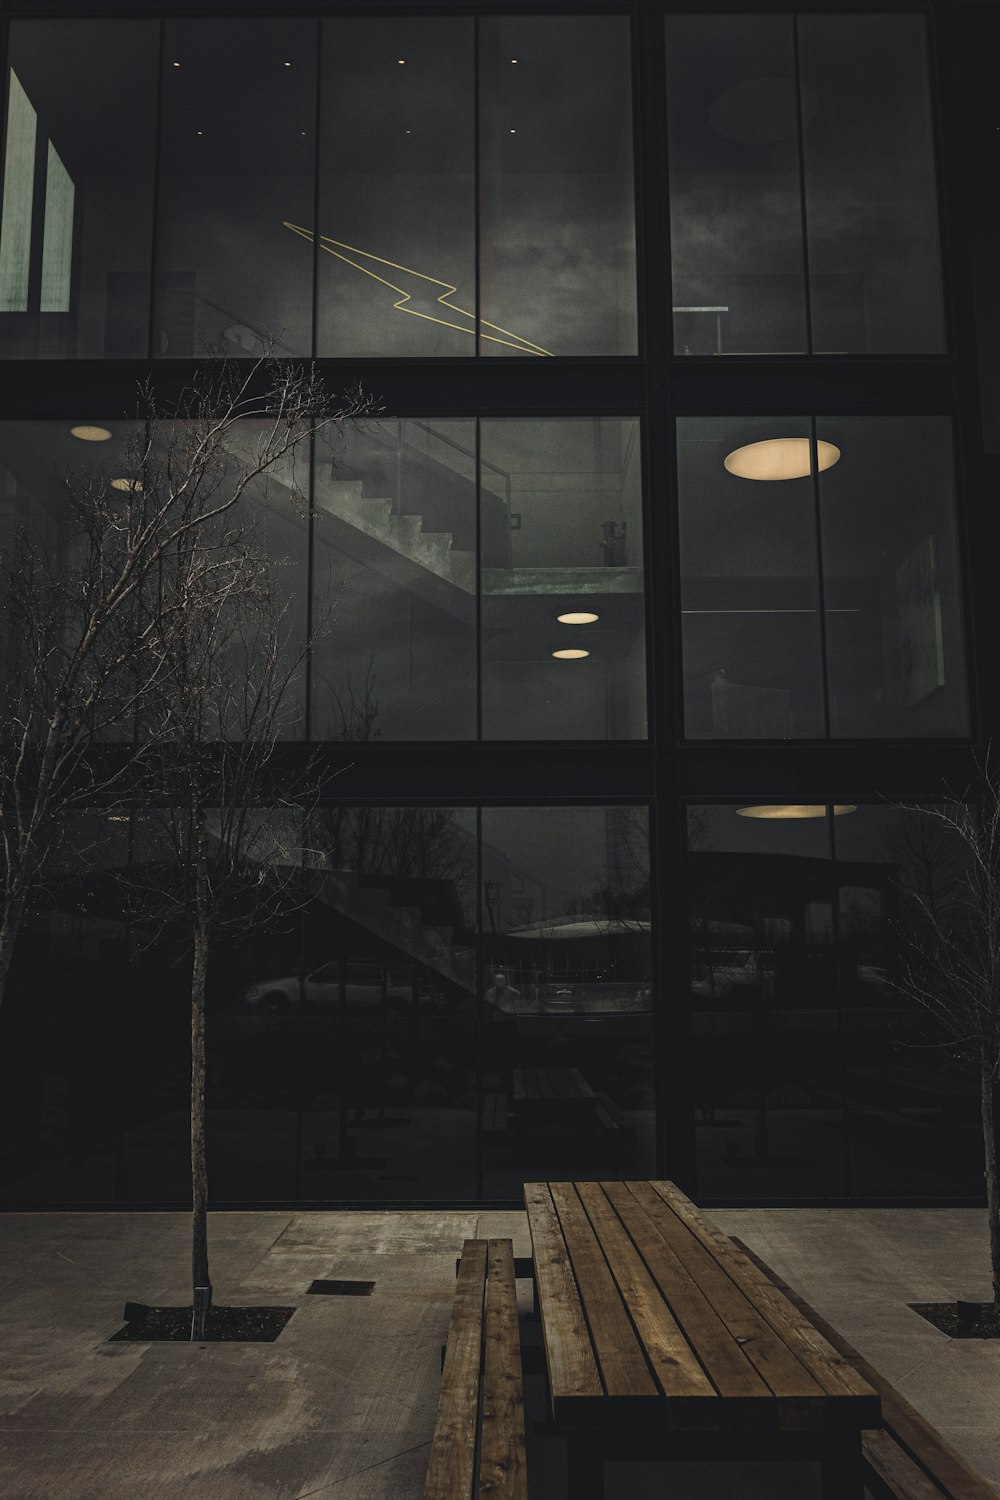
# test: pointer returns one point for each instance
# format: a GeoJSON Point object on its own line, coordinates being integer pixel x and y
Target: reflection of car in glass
{"type": "Point", "coordinates": [365, 985]}
{"type": "Point", "coordinates": [725, 972]}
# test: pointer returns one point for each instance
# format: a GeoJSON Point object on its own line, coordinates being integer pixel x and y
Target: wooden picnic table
{"type": "Point", "coordinates": [662, 1340]}
{"type": "Point", "coordinates": [548, 1086]}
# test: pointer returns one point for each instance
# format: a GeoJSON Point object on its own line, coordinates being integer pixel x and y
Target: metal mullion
{"type": "Point", "coordinates": [820, 579]}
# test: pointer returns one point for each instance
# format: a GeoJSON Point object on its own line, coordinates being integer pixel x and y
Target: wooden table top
{"type": "Point", "coordinates": [651, 1317]}
{"type": "Point", "coordinates": [545, 1085]}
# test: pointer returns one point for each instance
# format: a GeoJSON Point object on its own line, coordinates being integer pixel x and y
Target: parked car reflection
{"type": "Point", "coordinates": [356, 984]}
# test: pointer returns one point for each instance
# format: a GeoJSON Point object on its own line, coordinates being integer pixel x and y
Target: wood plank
{"type": "Point", "coordinates": [904, 1423]}
{"type": "Point", "coordinates": [620, 1356]}
{"type": "Point", "coordinates": [896, 1469]}
{"type": "Point", "coordinates": [725, 1359]}
{"type": "Point", "coordinates": [856, 1398]}
{"type": "Point", "coordinates": [800, 1394]}
{"type": "Point", "coordinates": [502, 1460]}
{"type": "Point", "coordinates": [580, 1083]}
{"type": "Point", "coordinates": [569, 1357]}
{"type": "Point", "coordinates": [451, 1469]}
{"type": "Point", "coordinates": [675, 1364]}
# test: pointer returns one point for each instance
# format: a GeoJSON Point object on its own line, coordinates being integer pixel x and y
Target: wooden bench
{"type": "Point", "coordinates": [905, 1458]}
{"type": "Point", "coordinates": [478, 1446]}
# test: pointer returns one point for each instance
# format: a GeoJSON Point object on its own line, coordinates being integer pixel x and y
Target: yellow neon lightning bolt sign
{"type": "Point", "coordinates": [338, 248]}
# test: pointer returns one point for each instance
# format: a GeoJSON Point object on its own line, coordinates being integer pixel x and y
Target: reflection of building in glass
{"type": "Point", "coordinates": [670, 517]}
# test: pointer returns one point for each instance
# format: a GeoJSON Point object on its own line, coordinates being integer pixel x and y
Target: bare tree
{"type": "Point", "coordinates": [221, 847]}
{"type": "Point", "coordinates": [77, 615]}
{"type": "Point", "coordinates": [952, 963]}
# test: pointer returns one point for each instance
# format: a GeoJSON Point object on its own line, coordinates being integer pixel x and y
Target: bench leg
{"type": "Point", "coordinates": [584, 1467]}
{"type": "Point", "coordinates": [842, 1474]}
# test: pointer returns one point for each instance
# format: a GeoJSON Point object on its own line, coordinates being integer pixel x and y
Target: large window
{"type": "Point", "coordinates": [559, 581]}
{"type": "Point", "coordinates": [813, 1074]}
{"type": "Point", "coordinates": [803, 214]}
{"type": "Point", "coordinates": [819, 603]}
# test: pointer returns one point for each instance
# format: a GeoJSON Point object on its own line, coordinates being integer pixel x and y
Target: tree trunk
{"type": "Point", "coordinates": [201, 1298]}
{"type": "Point", "coordinates": [987, 1086]}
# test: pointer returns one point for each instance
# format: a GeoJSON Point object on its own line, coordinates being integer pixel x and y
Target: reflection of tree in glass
{"type": "Point", "coordinates": [951, 961]}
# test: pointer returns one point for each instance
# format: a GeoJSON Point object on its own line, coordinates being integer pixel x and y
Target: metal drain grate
{"type": "Point", "coordinates": [343, 1288]}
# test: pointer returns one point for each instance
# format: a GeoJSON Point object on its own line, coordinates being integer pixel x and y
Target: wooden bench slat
{"type": "Point", "coordinates": [451, 1469]}
{"type": "Point", "coordinates": [619, 1353]}
{"type": "Point", "coordinates": [832, 1371]}
{"type": "Point", "coordinates": [901, 1420]}
{"type": "Point", "coordinates": [675, 1364]}
{"type": "Point", "coordinates": [502, 1469]}
{"type": "Point", "coordinates": [786, 1375]}
{"type": "Point", "coordinates": [901, 1476]}
{"type": "Point", "coordinates": [726, 1361]}
{"type": "Point", "coordinates": [570, 1359]}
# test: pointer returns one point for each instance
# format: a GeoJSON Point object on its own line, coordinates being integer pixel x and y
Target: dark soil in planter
{"type": "Point", "coordinates": [227, 1325]}
{"type": "Point", "coordinates": [944, 1315]}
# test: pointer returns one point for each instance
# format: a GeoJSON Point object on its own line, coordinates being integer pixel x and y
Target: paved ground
{"type": "Point", "coordinates": [342, 1405]}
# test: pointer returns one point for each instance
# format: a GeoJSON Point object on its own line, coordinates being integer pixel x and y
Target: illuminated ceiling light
{"type": "Point", "coordinates": [577, 617]}
{"type": "Point", "coordinates": [771, 811]}
{"type": "Point", "coordinates": [175, 65]}
{"type": "Point", "coordinates": [401, 61]}
{"type": "Point", "coordinates": [129, 486]}
{"type": "Point", "coordinates": [513, 59]}
{"type": "Point", "coordinates": [199, 132]}
{"type": "Point", "coordinates": [513, 132]}
{"type": "Point", "coordinates": [780, 458]}
{"type": "Point", "coordinates": [88, 434]}
{"type": "Point", "coordinates": [569, 655]}
{"type": "Point", "coordinates": [286, 65]}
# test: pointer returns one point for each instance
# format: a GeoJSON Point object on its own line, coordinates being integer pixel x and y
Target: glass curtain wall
{"type": "Point", "coordinates": [237, 163]}
{"type": "Point", "coordinates": [821, 603]}
{"type": "Point", "coordinates": [803, 209]}
{"type": "Point", "coordinates": [813, 1075]}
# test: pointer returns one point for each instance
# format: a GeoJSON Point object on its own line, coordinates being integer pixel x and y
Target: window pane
{"type": "Point", "coordinates": [891, 584]}
{"type": "Point", "coordinates": [567, 1038]}
{"type": "Point", "coordinates": [68, 1067]}
{"type": "Point", "coordinates": [385, 1007]}
{"type": "Point", "coordinates": [561, 529]}
{"type": "Point", "coordinates": [78, 192]}
{"type": "Point", "coordinates": [735, 208]}
{"type": "Point", "coordinates": [395, 567]}
{"type": "Point", "coordinates": [912, 1100]}
{"type": "Point", "coordinates": [237, 161]}
{"type": "Point", "coordinates": [874, 256]}
{"type": "Point", "coordinates": [397, 209]}
{"type": "Point", "coordinates": [749, 590]}
{"type": "Point", "coordinates": [768, 1101]}
{"type": "Point", "coordinates": [556, 187]}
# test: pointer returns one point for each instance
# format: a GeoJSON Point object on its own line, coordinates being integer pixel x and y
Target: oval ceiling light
{"type": "Point", "coordinates": [780, 458]}
{"type": "Point", "coordinates": [795, 810]}
{"type": "Point", "coordinates": [577, 617]}
{"type": "Point", "coordinates": [569, 655]}
{"type": "Point", "coordinates": [88, 434]}
{"type": "Point", "coordinates": [129, 486]}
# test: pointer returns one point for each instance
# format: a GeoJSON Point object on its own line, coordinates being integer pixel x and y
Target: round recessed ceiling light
{"type": "Point", "coordinates": [772, 811]}
{"type": "Point", "coordinates": [88, 434]}
{"type": "Point", "coordinates": [780, 458]}
{"type": "Point", "coordinates": [569, 655]}
{"type": "Point", "coordinates": [577, 617]}
{"type": "Point", "coordinates": [129, 486]}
